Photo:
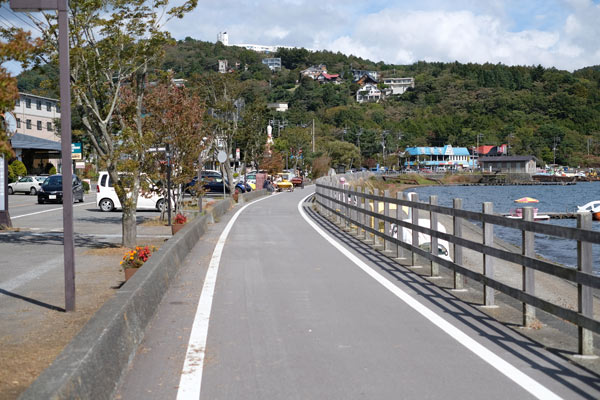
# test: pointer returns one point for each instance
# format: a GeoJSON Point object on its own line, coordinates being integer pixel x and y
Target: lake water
{"type": "Point", "coordinates": [555, 198]}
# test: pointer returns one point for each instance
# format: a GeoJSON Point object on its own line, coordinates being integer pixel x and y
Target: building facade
{"type": "Point", "coordinates": [274, 63]}
{"type": "Point", "coordinates": [446, 157]}
{"type": "Point", "coordinates": [509, 164]}
{"type": "Point", "coordinates": [36, 142]}
{"type": "Point", "coordinates": [398, 85]}
{"type": "Point", "coordinates": [368, 93]}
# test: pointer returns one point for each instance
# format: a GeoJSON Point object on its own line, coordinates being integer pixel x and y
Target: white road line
{"type": "Point", "coordinates": [193, 366]}
{"type": "Point", "coordinates": [510, 371]}
{"type": "Point", "coordinates": [39, 270]}
{"type": "Point", "coordinates": [51, 209]}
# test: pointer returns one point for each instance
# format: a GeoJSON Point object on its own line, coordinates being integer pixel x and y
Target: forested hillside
{"type": "Point", "coordinates": [530, 108]}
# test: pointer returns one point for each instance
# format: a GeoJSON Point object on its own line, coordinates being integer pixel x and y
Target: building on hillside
{"type": "Point", "coordinates": [333, 78]}
{"type": "Point", "coordinates": [282, 107]}
{"type": "Point", "coordinates": [369, 93]}
{"type": "Point", "coordinates": [35, 141]}
{"type": "Point", "coordinates": [314, 71]}
{"type": "Point", "coordinates": [509, 164]}
{"type": "Point", "coordinates": [359, 73]}
{"type": "Point", "coordinates": [223, 66]}
{"type": "Point", "coordinates": [223, 37]}
{"type": "Point", "coordinates": [437, 158]}
{"type": "Point", "coordinates": [274, 64]}
{"type": "Point", "coordinates": [398, 86]}
{"type": "Point", "coordinates": [490, 151]}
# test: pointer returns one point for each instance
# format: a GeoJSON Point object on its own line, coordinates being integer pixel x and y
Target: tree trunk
{"type": "Point", "coordinates": [129, 226]}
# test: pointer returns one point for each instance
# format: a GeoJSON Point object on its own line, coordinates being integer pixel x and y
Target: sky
{"type": "Point", "coordinates": [554, 33]}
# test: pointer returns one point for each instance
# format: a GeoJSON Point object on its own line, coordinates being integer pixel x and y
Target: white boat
{"type": "Point", "coordinates": [593, 207]}
{"type": "Point", "coordinates": [518, 214]}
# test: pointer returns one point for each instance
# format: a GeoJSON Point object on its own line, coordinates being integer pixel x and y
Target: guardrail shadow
{"type": "Point", "coordinates": [540, 358]}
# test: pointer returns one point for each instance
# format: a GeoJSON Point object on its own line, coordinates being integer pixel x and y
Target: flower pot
{"type": "Point", "coordinates": [129, 273]}
{"type": "Point", "coordinates": [176, 227]}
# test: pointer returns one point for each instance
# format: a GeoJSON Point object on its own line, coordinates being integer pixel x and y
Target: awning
{"type": "Point", "coordinates": [21, 141]}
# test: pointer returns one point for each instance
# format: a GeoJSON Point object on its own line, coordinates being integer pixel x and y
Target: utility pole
{"type": "Point", "coordinates": [313, 135]}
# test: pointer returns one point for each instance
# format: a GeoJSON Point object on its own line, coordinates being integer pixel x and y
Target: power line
{"type": "Point", "coordinates": [21, 19]}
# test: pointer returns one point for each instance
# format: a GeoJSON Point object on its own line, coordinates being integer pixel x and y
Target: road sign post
{"type": "Point", "coordinates": [4, 215]}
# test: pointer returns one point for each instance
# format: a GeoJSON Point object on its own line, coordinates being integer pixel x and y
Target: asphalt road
{"type": "Point", "coordinates": [31, 258]}
{"type": "Point", "coordinates": [295, 316]}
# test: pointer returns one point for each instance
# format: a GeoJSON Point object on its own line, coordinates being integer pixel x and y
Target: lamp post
{"type": "Point", "coordinates": [61, 6]}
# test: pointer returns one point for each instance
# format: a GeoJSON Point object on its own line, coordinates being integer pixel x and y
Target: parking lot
{"type": "Point", "coordinates": [34, 329]}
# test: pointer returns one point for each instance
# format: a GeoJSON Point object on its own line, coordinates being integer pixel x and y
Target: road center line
{"type": "Point", "coordinates": [51, 209]}
{"type": "Point", "coordinates": [510, 371]}
{"type": "Point", "coordinates": [193, 366]}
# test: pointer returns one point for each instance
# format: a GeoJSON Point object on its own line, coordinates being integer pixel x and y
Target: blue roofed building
{"type": "Point", "coordinates": [447, 157]}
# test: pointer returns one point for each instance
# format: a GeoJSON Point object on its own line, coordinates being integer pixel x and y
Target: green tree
{"type": "Point", "coordinates": [113, 47]}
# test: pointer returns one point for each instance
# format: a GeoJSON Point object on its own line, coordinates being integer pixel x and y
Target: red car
{"type": "Point", "coordinates": [296, 181]}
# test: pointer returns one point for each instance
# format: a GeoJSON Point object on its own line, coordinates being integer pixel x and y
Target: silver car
{"type": "Point", "coordinates": [27, 184]}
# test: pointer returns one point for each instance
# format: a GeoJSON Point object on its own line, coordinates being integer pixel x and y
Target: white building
{"type": "Point", "coordinates": [223, 37]}
{"type": "Point", "coordinates": [368, 93]}
{"type": "Point", "coordinates": [223, 66]}
{"type": "Point", "coordinates": [282, 107]}
{"type": "Point", "coordinates": [35, 140]}
{"type": "Point", "coordinates": [274, 64]}
{"type": "Point", "coordinates": [398, 85]}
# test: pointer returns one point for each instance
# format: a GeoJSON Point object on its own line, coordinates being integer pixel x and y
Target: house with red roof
{"type": "Point", "coordinates": [324, 77]}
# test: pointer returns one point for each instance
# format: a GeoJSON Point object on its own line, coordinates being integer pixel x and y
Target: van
{"type": "Point", "coordinates": [107, 199]}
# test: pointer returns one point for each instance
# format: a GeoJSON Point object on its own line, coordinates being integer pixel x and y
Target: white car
{"type": "Point", "coordinates": [27, 184]}
{"type": "Point", "coordinates": [107, 199]}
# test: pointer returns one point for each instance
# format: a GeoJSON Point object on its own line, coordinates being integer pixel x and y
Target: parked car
{"type": "Point", "coordinates": [107, 199]}
{"type": "Point", "coordinates": [213, 183]}
{"type": "Point", "coordinates": [27, 184]}
{"type": "Point", "coordinates": [52, 190]}
{"type": "Point", "coordinates": [206, 176]}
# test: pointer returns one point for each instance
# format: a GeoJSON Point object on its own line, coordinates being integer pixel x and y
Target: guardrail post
{"type": "Point", "coordinates": [585, 300]}
{"type": "Point", "coordinates": [414, 212]}
{"type": "Point", "coordinates": [459, 281]}
{"type": "Point", "coordinates": [433, 218]}
{"type": "Point", "coordinates": [338, 206]}
{"type": "Point", "coordinates": [376, 239]}
{"type": "Point", "coordinates": [345, 208]}
{"type": "Point", "coordinates": [528, 249]}
{"type": "Point", "coordinates": [364, 217]}
{"type": "Point", "coordinates": [386, 225]}
{"type": "Point", "coordinates": [399, 249]}
{"type": "Point", "coordinates": [355, 211]}
{"type": "Point", "coordinates": [488, 263]}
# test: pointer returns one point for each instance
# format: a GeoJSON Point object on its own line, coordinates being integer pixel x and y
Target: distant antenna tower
{"type": "Point", "coordinates": [223, 37]}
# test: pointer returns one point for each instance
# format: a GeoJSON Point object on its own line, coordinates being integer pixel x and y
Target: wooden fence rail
{"type": "Point", "coordinates": [360, 211]}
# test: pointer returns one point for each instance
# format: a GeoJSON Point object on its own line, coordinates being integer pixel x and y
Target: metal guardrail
{"type": "Point", "coordinates": [360, 210]}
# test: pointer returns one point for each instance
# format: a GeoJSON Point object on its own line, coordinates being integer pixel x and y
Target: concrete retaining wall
{"type": "Point", "coordinates": [91, 365]}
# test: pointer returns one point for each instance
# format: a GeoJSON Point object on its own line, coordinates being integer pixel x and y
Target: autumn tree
{"type": "Point", "coordinates": [175, 116]}
{"type": "Point", "coordinates": [15, 45]}
{"type": "Point", "coordinates": [114, 46]}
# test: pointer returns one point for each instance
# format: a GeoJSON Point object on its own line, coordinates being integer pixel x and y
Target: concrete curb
{"type": "Point", "coordinates": [92, 364]}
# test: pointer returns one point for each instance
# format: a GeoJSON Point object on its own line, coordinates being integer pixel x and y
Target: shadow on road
{"type": "Point", "coordinates": [577, 378]}
{"type": "Point", "coordinates": [54, 239]}
{"type": "Point", "coordinates": [32, 301]}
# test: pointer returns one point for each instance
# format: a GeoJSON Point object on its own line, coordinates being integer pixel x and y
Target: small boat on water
{"type": "Point", "coordinates": [593, 207]}
{"type": "Point", "coordinates": [517, 213]}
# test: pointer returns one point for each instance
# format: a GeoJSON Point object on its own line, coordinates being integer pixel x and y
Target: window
{"type": "Point", "coordinates": [38, 105]}
{"type": "Point", "coordinates": [28, 124]}
{"type": "Point", "coordinates": [49, 126]}
{"type": "Point", "coordinates": [28, 103]}
{"type": "Point", "coordinates": [48, 106]}
{"type": "Point", "coordinates": [39, 125]}
{"type": "Point", "coordinates": [18, 122]}
{"type": "Point", "coordinates": [18, 102]}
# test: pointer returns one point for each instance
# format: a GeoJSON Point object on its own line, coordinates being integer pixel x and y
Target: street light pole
{"type": "Point", "coordinates": [65, 120]}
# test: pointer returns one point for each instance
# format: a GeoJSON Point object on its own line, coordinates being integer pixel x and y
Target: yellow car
{"type": "Point", "coordinates": [282, 182]}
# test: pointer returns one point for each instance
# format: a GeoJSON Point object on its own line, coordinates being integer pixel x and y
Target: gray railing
{"type": "Point", "coordinates": [398, 236]}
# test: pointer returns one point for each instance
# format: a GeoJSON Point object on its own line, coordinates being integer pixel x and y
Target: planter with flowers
{"type": "Point", "coordinates": [134, 259]}
{"type": "Point", "coordinates": [179, 222]}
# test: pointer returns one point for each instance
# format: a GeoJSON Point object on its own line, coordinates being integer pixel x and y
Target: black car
{"type": "Point", "coordinates": [52, 190]}
{"type": "Point", "coordinates": [212, 182]}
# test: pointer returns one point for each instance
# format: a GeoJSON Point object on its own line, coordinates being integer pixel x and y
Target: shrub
{"type": "Point", "coordinates": [86, 186]}
{"type": "Point", "coordinates": [18, 169]}
{"type": "Point", "coordinates": [52, 170]}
